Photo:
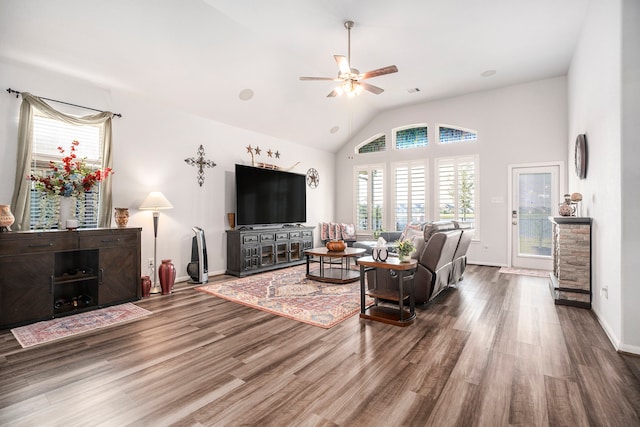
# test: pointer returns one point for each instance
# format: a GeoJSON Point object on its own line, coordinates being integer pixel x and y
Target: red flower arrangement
{"type": "Point", "coordinates": [72, 177]}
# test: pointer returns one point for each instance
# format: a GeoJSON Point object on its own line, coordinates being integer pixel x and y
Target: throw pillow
{"type": "Point", "coordinates": [324, 231]}
{"type": "Point", "coordinates": [416, 237]}
{"type": "Point", "coordinates": [348, 231]}
{"type": "Point", "coordinates": [410, 226]}
{"type": "Point", "coordinates": [334, 231]}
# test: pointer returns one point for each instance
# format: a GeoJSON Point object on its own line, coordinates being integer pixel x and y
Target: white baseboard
{"type": "Point", "coordinates": [488, 264]}
{"type": "Point", "coordinates": [613, 338]}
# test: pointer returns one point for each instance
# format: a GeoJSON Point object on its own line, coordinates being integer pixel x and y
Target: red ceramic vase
{"type": "Point", "coordinates": [167, 276]}
{"type": "Point", "coordinates": [145, 282]}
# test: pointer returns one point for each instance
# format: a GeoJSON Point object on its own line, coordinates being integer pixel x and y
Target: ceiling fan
{"type": "Point", "coordinates": [350, 78]}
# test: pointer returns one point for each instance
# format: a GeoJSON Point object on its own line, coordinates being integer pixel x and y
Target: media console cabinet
{"type": "Point", "coordinates": [47, 274]}
{"type": "Point", "coordinates": [258, 250]}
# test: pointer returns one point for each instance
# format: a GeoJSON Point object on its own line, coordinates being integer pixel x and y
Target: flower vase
{"type": "Point", "coordinates": [67, 208]}
{"type": "Point", "coordinates": [405, 258]}
{"type": "Point", "coordinates": [145, 283]}
{"type": "Point", "coordinates": [122, 216]}
{"type": "Point", "coordinates": [6, 218]}
{"type": "Point", "coordinates": [167, 276]}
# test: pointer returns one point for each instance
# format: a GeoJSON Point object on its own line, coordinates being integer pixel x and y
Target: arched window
{"type": "Point", "coordinates": [373, 145]}
{"type": "Point", "coordinates": [412, 136]}
{"type": "Point", "coordinates": [449, 134]}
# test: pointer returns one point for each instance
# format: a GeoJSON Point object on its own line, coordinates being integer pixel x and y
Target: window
{"type": "Point", "coordinates": [457, 188]}
{"type": "Point", "coordinates": [450, 134]}
{"type": "Point", "coordinates": [373, 145]}
{"type": "Point", "coordinates": [369, 196]}
{"type": "Point", "coordinates": [410, 191]}
{"type": "Point", "coordinates": [48, 135]}
{"type": "Point", "coordinates": [412, 136]}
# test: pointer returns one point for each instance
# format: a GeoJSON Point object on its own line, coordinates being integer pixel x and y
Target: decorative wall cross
{"type": "Point", "coordinates": [200, 163]}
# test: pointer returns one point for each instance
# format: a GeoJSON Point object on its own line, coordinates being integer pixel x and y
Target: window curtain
{"type": "Point", "coordinates": [21, 193]}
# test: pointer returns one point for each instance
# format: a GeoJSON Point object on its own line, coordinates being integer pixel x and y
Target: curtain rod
{"type": "Point", "coordinates": [66, 103]}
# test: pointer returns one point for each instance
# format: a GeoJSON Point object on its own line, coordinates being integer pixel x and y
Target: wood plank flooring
{"type": "Point", "coordinates": [495, 351]}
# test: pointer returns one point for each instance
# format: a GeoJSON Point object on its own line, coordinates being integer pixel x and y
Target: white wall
{"type": "Point", "coordinates": [518, 124]}
{"type": "Point", "coordinates": [630, 174]}
{"type": "Point", "coordinates": [606, 109]}
{"type": "Point", "coordinates": [150, 143]}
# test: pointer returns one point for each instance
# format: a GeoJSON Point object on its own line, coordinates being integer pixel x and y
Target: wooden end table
{"type": "Point", "coordinates": [394, 316]}
{"type": "Point", "coordinates": [341, 274]}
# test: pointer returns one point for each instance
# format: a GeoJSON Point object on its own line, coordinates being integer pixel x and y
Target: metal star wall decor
{"type": "Point", "coordinates": [200, 163]}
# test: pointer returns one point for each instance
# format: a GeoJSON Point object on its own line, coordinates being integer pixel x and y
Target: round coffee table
{"type": "Point", "coordinates": [339, 265]}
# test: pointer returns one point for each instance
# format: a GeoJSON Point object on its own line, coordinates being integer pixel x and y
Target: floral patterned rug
{"type": "Point", "coordinates": [288, 293]}
{"type": "Point", "coordinates": [62, 327]}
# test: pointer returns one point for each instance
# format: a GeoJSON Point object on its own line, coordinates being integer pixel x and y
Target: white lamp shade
{"type": "Point", "coordinates": [155, 201]}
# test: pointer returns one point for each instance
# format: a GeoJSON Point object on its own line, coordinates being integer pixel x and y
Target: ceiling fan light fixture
{"type": "Point", "coordinates": [350, 77]}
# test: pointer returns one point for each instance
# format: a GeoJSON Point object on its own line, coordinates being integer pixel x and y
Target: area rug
{"type": "Point", "coordinates": [524, 272]}
{"type": "Point", "coordinates": [63, 327]}
{"type": "Point", "coordinates": [288, 293]}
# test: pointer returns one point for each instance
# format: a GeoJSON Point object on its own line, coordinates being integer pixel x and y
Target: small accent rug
{"type": "Point", "coordinates": [288, 293]}
{"type": "Point", "coordinates": [524, 272]}
{"type": "Point", "coordinates": [62, 327]}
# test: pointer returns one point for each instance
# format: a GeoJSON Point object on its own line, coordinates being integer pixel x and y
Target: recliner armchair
{"type": "Point", "coordinates": [435, 265]}
{"type": "Point", "coordinates": [441, 262]}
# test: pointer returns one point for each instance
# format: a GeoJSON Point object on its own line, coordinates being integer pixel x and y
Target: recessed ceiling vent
{"type": "Point", "coordinates": [413, 90]}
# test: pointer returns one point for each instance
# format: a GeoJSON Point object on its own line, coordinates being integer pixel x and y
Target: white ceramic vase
{"type": "Point", "coordinates": [67, 211]}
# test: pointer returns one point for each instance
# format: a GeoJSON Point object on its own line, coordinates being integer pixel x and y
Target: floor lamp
{"type": "Point", "coordinates": [154, 202]}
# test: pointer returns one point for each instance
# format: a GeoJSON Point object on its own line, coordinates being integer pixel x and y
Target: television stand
{"type": "Point", "coordinates": [255, 251]}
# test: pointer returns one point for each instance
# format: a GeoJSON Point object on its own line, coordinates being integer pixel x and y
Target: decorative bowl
{"type": "Point", "coordinates": [336, 245]}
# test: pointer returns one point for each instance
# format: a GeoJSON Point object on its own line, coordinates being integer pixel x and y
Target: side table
{"type": "Point", "coordinates": [394, 316]}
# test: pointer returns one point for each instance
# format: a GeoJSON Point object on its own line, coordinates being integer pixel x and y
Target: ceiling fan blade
{"type": "Point", "coordinates": [379, 72]}
{"type": "Point", "coordinates": [343, 64]}
{"type": "Point", "coordinates": [371, 88]}
{"type": "Point", "coordinates": [333, 94]}
{"type": "Point", "coordinates": [335, 79]}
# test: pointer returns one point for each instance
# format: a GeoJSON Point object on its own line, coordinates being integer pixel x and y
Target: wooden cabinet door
{"type": "Point", "coordinates": [119, 263]}
{"type": "Point", "coordinates": [26, 288]}
{"type": "Point", "coordinates": [118, 281]}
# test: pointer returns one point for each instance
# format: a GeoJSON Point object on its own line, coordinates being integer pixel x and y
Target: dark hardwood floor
{"type": "Point", "coordinates": [495, 351]}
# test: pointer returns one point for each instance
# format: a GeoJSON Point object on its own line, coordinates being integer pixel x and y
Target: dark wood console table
{"type": "Point", "coordinates": [394, 316]}
{"type": "Point", "coordinates": [48, 274]}
{"type": "Point", "coordinates": [257, 250]}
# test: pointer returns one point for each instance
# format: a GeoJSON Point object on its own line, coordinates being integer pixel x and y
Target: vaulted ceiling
{"type": "Point", "coordinates": [201, 56]}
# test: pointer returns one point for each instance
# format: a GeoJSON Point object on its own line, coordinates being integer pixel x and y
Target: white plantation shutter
{"type": "Point", "coordinates": [410, 194]}
{"type": "Point", "coordinates": [48, 135]}
{"type": "Point", "coordinates": [402, 197]}
{"type": "Point", "coordinates": [377, 196]}
{"type": "Point", "coordinates": [362, 200]}
{"type": "Point", "coordinates": [457, 188]}
{"type": "Point", "coordinates": [369, 191]}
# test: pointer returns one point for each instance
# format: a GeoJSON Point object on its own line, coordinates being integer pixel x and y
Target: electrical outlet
{"type": "Point", "coordinates": [150, 263]}
{"type": "Point", "coordinates": [604, 292]}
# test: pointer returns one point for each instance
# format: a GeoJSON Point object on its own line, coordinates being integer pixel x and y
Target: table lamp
{"type": "Point", "coordinates": [154, 202]}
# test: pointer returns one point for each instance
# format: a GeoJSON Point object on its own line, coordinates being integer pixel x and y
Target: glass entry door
{"type": "Point", "coordinates": [535, 198]}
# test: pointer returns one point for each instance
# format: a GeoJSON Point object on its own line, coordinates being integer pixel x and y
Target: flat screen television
{"type": "Point", "coordinates": [266, 196]}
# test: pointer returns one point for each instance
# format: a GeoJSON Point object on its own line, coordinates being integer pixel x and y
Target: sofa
{"type": "Point", "coordinates": [441, 261]}
{"type": "Point", "coordinates": [389, 236]}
